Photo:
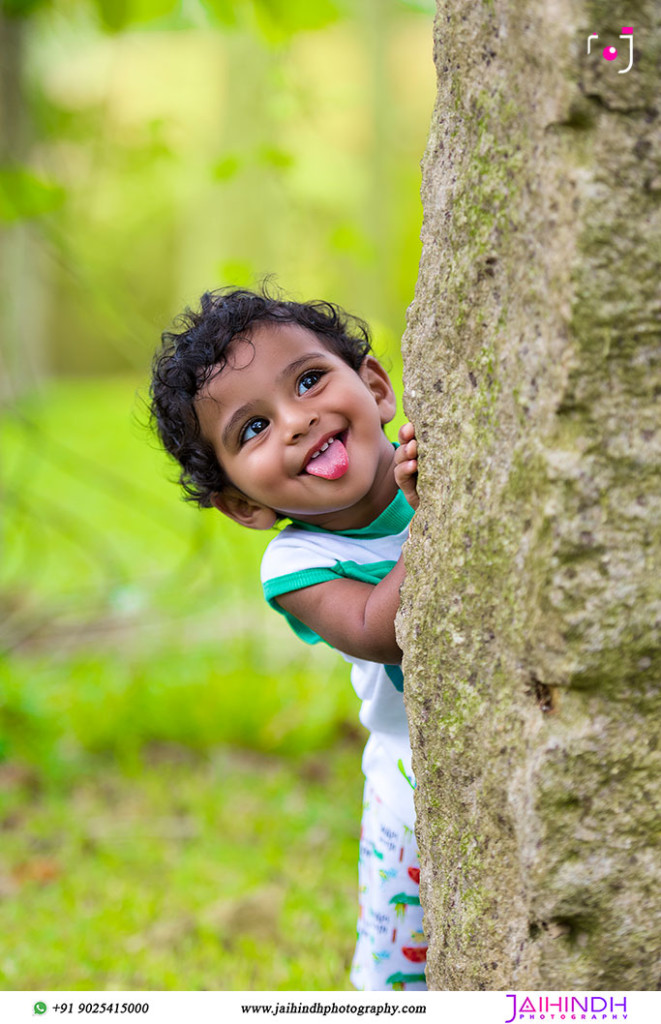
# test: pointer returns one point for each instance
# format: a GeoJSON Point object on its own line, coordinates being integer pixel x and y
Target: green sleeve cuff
{"type": "Point", "coordinates": [297, 581]}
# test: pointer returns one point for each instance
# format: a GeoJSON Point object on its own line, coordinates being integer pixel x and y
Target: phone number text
{"type": "Point", "coordinates": [101, 1008]}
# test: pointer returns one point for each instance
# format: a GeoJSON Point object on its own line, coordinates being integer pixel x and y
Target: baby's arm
{"type": "Point", "coordinates": [356, 618]}
{"type": "Point", "coordinates": [359, 618]}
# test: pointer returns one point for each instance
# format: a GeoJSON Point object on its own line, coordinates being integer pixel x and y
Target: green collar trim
{"type": "Point", "coordinates": [395, 518]}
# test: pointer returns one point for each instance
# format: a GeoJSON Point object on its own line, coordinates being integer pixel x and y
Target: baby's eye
{"type": "Point", "coordinates": [253, 428]}
{"type": "Point", "coordinates": [308, 380]}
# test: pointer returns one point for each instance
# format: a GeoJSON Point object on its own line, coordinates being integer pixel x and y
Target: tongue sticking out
{"type": "Point", "coordinates": [331, 464]}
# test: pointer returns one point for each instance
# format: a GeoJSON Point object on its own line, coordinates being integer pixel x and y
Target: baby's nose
{"type": "Point", "coordinates": [298, 425]}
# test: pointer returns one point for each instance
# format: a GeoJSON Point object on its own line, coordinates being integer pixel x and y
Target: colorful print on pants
{"type": "Point", "coordinates": [391, 950]}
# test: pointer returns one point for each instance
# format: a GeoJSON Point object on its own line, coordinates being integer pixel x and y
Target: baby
{"type": "Point", "coordinates": [275, 411]}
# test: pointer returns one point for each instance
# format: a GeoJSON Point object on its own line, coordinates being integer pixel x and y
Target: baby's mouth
{"type": "Point", "coordinates": [330, 460]}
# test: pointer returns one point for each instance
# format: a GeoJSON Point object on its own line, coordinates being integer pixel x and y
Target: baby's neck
{"type": "Point", "coordinates": [365, 511]}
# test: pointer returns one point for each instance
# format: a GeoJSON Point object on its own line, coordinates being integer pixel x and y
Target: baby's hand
{"type": "Point", "coordinates": [406, 464]}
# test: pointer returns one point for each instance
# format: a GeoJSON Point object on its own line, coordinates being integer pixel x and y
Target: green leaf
{"type": "Point", "coordinates": [274, 156]}
{"type": "Point", "coordinates": [221, 12]}
{"type": "Point", "coordinates": [20, 8]}
{"type": "Point", "coordinates": [240, 273]}
{"type": "Point", "coordinates": [115, 14]}
{"type": "Point", "coordinates": [287, 17]}
{"type": "Point", "coordinates": [23, 194]}
{"type": "Point", "coordinates": [226, 168]}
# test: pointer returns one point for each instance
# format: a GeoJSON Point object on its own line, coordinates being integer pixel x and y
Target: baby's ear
{"type": "Point", "coordinates": [235, 505]}
{"type": "Point", "coordinates": [378, 383]}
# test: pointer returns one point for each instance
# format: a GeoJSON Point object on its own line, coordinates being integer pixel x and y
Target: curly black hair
{"type": "Point", "coordinates": [188, 357]}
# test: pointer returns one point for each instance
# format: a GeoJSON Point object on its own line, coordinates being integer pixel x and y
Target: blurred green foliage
{"type": "Point", "coordinates": [24, 195]}
{"type": "Point", "coordinates": [131, 617]}
{"type": "Point", "coordinates": [150, 150]}
{"type": "Point", "coordinates": [164, 148]}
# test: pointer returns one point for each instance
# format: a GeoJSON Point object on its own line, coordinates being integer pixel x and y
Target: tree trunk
{"type": "Point", "coordinates": [22, 327]}
{"type": "Point", "coordinates": [531, 612]}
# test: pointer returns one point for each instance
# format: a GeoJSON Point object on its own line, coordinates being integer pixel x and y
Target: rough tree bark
{"type": "Point", "coordinates": [531, 612]}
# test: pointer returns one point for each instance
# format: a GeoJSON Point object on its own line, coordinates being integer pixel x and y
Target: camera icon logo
{"type": "Point", "coordinates": [609, 53]}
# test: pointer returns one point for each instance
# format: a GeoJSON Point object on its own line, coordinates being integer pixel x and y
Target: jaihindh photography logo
{"type": "Point", "coordinates": [565, 1007]}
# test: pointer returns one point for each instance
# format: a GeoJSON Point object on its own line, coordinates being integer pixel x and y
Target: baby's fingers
{"type": "Point", "coordinates": [406, 452]}
{"type": "Point", "coordinates": [406, 472]}
{"type": "Point", "coordinates": [406, 433]}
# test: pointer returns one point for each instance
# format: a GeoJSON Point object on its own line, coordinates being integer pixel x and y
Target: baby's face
{"type": "Point", "coordinates": [296, 429]}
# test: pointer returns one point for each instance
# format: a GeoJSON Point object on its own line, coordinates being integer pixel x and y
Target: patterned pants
{"type": "Point", "coordinates": [391, 950]}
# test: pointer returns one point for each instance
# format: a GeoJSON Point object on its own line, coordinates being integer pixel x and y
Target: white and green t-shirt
{"type": "Point", "coordinates": [303, 555]}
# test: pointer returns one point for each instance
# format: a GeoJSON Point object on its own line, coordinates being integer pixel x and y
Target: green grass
{"type": "Point", "coordinates": [55, 708]}
{"type": "Point", "coordinates": [232, 872]}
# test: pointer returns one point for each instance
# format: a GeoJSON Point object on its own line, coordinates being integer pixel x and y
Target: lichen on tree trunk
{"type": "Point", "coordinates": [531, 612]}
